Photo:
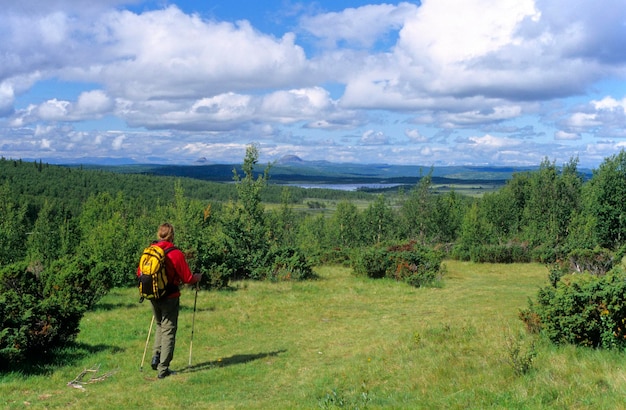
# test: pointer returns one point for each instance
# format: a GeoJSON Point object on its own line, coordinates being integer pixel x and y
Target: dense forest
{"type": "Point", "coordinates": [71, 234]}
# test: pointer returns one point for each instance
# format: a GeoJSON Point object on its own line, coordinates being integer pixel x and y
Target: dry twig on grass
{"type": "Point", "coordinates": [78, 382]}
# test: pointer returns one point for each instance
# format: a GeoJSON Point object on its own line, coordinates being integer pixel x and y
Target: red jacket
{"type": "Point", "coordinates": [177, 268]}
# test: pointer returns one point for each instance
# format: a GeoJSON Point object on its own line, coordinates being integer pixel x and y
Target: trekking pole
{"type": "Point", "coordinates": [193, 320]}
{"type": "Point", "coordinates": [146, 347]}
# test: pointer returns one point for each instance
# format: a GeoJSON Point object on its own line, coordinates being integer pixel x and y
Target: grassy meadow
{"type": "Point", "coordinates": [337, 342]}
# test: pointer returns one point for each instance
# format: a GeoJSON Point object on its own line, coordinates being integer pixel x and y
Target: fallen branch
{"type": "Point", "coordinates": [78, 381]}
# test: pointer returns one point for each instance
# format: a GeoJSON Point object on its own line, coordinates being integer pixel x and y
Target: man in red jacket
{"type": "Point", "coordinates": [165, 309]}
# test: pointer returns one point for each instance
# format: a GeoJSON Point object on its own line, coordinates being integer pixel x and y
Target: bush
{"type": "Point", "coordinates": [335, 256]}
{"type": "Point", "coordinates": [557, 271]}
{"type": "Point", "coordinates": [408, 262]}
{"type": "Point", "coordinates": [215, 260]}
{"type": "Point", "coordinates": [583, 309]}
{"type": "Point", "coordinates": [220, 260]}
{"type": "Point", "coordinates": [371, 262]}
{"type": "Point", "coordinates": [288, 263]}
{"type": "Point", "coordinates": [520, 355]}
{"type": "Point", "coordinates": [79, 281]}
{"type": "Point", "coordinates": [546, 254]}
{"type": "Point", "coordinates": [509, 253]}
{"type": "Point", "coordinates": [417, 267]}
{"type": "Point", "coordinates": [39, 312]}
{"type": "Point", "coordinates": [596, 261]}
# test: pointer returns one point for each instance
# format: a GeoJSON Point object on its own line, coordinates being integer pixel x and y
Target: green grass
{"type": "Point", "coordinates": [330, 206]}
{"type": "Point", "coordinates": [338, 342]}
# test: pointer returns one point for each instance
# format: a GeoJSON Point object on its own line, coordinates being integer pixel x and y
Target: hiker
{"type": "Point", "coordinates": [165, 309]}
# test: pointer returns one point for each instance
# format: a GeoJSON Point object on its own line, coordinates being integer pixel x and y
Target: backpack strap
{"type": "Point", "coordinates": [168, 250]}
{"type": "Point", "coordinates": [170, 288]}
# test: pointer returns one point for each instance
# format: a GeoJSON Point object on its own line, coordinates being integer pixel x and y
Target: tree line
{"type": "Point", "coordinates": [49, 212]}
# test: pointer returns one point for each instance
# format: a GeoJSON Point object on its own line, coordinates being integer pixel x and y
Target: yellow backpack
{"type": "Point", "coordinates": [153, 283]}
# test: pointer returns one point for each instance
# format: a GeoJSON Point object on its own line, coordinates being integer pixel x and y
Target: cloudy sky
{"type": "Point", "coordinates": [436, 82]}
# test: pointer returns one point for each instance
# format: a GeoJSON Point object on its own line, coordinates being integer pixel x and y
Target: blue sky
{"type": "Point", "coordinates": [437, 82]}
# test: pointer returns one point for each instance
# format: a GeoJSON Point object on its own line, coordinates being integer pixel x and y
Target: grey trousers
{"type": "Point", "coordinates": [166, 317]}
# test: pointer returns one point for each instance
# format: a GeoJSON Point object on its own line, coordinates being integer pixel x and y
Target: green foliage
{"type": "Point", "coordinates": [417, 265]}
{"type": "Point", "coordinates": [41, 310]}
{"type": "Point", "coordinates": [553, 197]}
{"type": "Point", "coordinates": [283, 224]}
{"type": "Point", "coordinates": [521, 354]}
{"type": "Point", "coordinates": [77, 280]}
{"type": "Point", "coordinates": [409, 262]}
{"type": "Point", "coordinates": [596, 261]}
{"type": "Point", "coordinates": [248, 188]}
{"type": "Point", "coordinates": [316, 205]}
{"type": "Point", "coordinates": [556, 272]}
{"type": "Point", "coordinates": [447, 217]}
{"type": "Point", "coordinates": [583, 309]}
{"type": "Point", "coordinates": [416, 210]}
{"type": "Point", "coordinates": [317, 238]}
{"type": "Point", "coordinates": [345, 226]}
{"type": "Point", "coordinates": [286, 263]}
{"type": "Point", "coordinates": [110, 236]}
{"type": "Point", "coordinates": [245, 239]}
{"type": "Point", "coordinates": [72, 186]}
{"type": "Point", "coordinates": [379, 222]}
{"type": "Point", "coordinates": [243, 222]}
{"type": "Point", "coordinates": [372, 262]}
{"type": "Point", "coordinates": [582, 232]}
{"type": "Point", "coordinates": [217, 258]}
{"type": "Point", "coordinates": [336, 399]}
{"type": "Point", "coordinates": [506, 253]}
{"type": "Point", "coordinates": [44, 241]}
{"type": "Point", "coordinates": [13, 226]}
{"type": "Point", "coordinates": [529, 219]}
{"type": "Point", "coordinates": [604, 195]}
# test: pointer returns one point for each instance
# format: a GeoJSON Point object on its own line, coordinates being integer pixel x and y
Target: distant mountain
{"type": "Point", "coordinates": [294, 170]}
{"type": "Point", "coordinates": [290, 160]}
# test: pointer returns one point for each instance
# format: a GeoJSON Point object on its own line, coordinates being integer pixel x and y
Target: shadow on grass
{"type": "Point", "coordinates": [128, 305]}
{"type": "Point", "coordinates": [185, 308]}
{"type": "Point", "coordinates": [230, 361]}
{"type": "Point", "coordinates": [113, 306]}
{"type": "Point", "coordinates": [46, 363]}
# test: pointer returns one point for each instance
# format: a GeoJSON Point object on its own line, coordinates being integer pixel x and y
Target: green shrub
{"type": "Point", "coordinates": [215, 260]}
{"type": "Point", "coordinates": [417, 266]}
{"type": "Point", "coordinates": [583, 309]}
{"type": "Point", "coordinates": [220, 259]}
{"type": "Point", "coordinates": [461, 253]}
{"type": "Point", "coordinates": [287, 263]}
{"type": "Point", "coordinates": [556, 271]}
{"type": "Point", "coordinates": [79, 281]}
{"type": "Point", "coordinates": [545, 254]}
{"type": "Point", "coordinates": [335, 256]}
{"type": "Point", "coordinates": [371, 262]}
{"type": "Point", "coordinates": [508, 253]}
{"type": "Point", "coordinates": [520, 354]}
{"type": "Point", "coordinates": [39, 311]}
{"type": "Point", "coordinates": [408, 262]}
{"type": "Point", "coordinates": [596, 261]}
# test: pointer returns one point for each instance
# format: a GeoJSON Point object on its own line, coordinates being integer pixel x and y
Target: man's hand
{"type": "Point", "coordinates": [196, 278]}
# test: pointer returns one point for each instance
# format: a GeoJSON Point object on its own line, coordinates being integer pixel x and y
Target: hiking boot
{"type": "Point", "coordinates": [155, 361]}
{"type": "Point", "coordinates": [166, 373]}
